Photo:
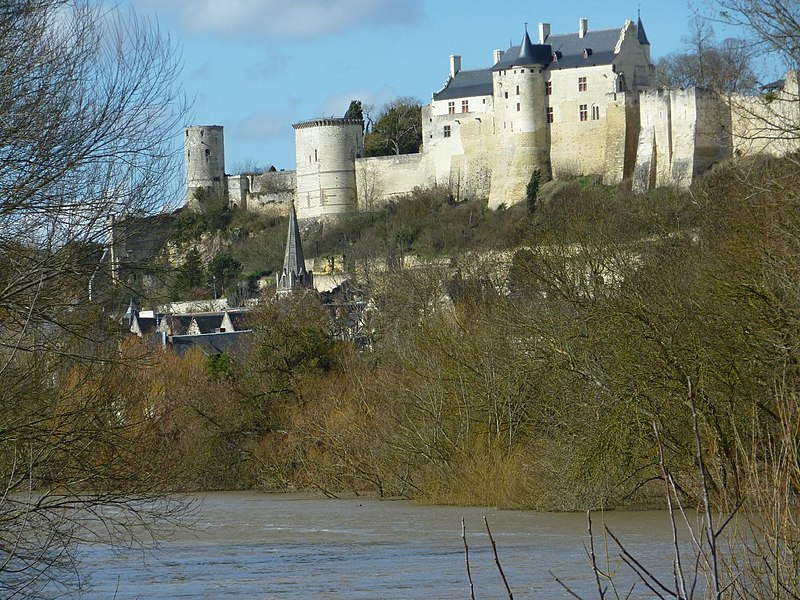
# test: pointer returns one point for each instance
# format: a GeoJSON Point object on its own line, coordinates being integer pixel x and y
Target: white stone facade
{"type": "Point", "coordinates": [572, 104]}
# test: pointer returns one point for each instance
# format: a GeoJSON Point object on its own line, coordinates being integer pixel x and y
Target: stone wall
{"type": "Point", "coordinates": [683, 133]}
{"type": "Point", "coordinates": [578, 147]}
{"type": "Point", "coordinates": [622, 136]}
{"type": "Point", "coordinates": [768, 123]}
{"type": "Point", "coordinates": [204, 149]}
{"type": "Point", "coordinates": [382, 178]}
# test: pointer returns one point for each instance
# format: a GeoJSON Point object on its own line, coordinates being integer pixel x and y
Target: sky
{"type": "Point", "coordinates": [258, 66]}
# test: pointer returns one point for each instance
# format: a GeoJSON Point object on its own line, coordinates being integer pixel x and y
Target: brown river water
{"type": "Point", "coordinates": [248, 545]}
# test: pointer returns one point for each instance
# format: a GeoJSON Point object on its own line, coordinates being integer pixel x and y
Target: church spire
{"type": "Point", "coordinates": [294, 272]}
{"type": "Point", "coordinates": [640, 33]}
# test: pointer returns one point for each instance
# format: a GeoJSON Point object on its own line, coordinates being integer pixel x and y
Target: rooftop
{"type": "Point", "coordinates": [594, 48]}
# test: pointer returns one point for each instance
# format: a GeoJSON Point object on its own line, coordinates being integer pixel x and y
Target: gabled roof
{"type": "Point", "coordinates": [142, 326]}
{"type": "Point", "coordinates": [210, 343]}
{"type": "Point", "coordinates": [569, 46]}
{"type": "Point", "coordinates": [208, 322]}
{"type": "Point", "coordinates": [466, 84]}
{"type": "Point", "coordinates": [775, 85]}
{"type": "Point", "coordinates": [239, 318]}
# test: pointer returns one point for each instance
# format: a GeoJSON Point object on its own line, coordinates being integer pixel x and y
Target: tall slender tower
{"type": "Point", "coordinates": [521, 121]}
{"type": "Point", "coordinates": [205, 160]}
{"type": "Point", "coordinates": [294, 274]}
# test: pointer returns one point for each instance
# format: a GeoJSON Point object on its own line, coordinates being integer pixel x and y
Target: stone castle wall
{"type": "Point", "coordinates": [379, 179]}
{"type": "Point", "coordinates": [769, 123]}
{"type": "Point", "coordinates": [587, 112]}
{"type": "Point", "coordinates": [682, 133]}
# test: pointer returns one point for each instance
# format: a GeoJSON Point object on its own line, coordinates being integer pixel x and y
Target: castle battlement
{"type": "Point", "coordinates": [328, 122]}
{"type": "Point", "coordinates": [576, 103]}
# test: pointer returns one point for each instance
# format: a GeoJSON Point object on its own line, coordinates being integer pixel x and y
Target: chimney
{"type": "Point", "coordinates": [497, 55]}
{"type": "Point", "coordinates": [544, 31]}
{"type": "Point", "coordinates": [455, 64]}
{"type": "Point", "coordinates": [583, 27]}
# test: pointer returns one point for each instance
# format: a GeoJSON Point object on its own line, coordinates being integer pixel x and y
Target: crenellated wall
{"type": "Point", "coordinates": [579, 103]}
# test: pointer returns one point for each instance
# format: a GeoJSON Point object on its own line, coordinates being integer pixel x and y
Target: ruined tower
{"type": "Point", "coordinates": [205, 160]}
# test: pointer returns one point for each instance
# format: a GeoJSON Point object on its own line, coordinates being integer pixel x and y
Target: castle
{"type": "Point", "coordinates": [570, 104]}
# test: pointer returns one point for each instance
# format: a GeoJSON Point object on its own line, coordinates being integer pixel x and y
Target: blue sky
{"type": "Point", "coordinates": [257, 66]}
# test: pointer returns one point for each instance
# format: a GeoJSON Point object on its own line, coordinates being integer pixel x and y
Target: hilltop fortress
{"type": "Point", "coordinates": [570, 104]}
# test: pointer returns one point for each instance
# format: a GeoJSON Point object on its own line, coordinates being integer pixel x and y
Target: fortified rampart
{"type": "Point", "coordinates": [570, 104]}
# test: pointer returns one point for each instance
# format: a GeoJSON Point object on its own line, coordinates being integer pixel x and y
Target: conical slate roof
{"type": "Point", "coordinates": [641, 35]}
{"type": "Point", "coordinates": [526, 49]}
{"type": "Point", "coordinates": [294, 272]}
{"type": "Point", "coordinates": [532, 54]}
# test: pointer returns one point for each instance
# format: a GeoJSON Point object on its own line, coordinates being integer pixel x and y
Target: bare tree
{"type": "Point", "coordinates": [772, 29]}
{"type": "Point", "coordinates": [88, 106]}
{"type": "Point", "coordinates": [773, 26]}
{"type": "Point", "coordinates": [724, 66]}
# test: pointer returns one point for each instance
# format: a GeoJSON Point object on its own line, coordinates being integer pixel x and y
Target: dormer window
{"type": "Point", "coordinates": [587, 52]}
{"type": "Point", "coordinates": [556, 55]}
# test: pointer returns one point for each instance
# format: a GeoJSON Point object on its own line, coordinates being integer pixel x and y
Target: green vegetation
{"type": "Point", "coordinates": [223, 272]}
{"type": "Point", "coordinates": [397, 129]}
{"type": "Point", "coordinates": [627, 343]}
{"type": "Point", "coordinates": [88, 110]}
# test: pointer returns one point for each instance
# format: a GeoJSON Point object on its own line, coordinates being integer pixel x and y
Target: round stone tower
{"type": "Point", "coordinates": [326, 150]}
{"type": "Point", "coordinates": [523, 141]}
{"type": "Point", "coordinates": [205, 160]}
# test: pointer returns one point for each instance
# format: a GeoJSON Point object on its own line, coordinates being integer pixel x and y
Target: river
{"type": "Point", "coordinates": [248, 545]}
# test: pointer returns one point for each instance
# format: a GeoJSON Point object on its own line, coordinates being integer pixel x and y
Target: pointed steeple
{"type": "Point", "coordinates": [526, 55]}
{"type": "Point", "coordinates": [294, 272]}
{"type": "Point", "coordinates": [640, 33]}
{"type": "Point", "coordinates": [532, 54]}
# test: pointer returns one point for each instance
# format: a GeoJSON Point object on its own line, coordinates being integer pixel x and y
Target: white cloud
{"type": "Point", "coordinates": [261, 126]}
{"type": "Point", "coordinates": [267, 67]}
{"type": "Point", "coordinates": [279, 19]}
{"type": "Point", "coordinates": [201, 73]}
